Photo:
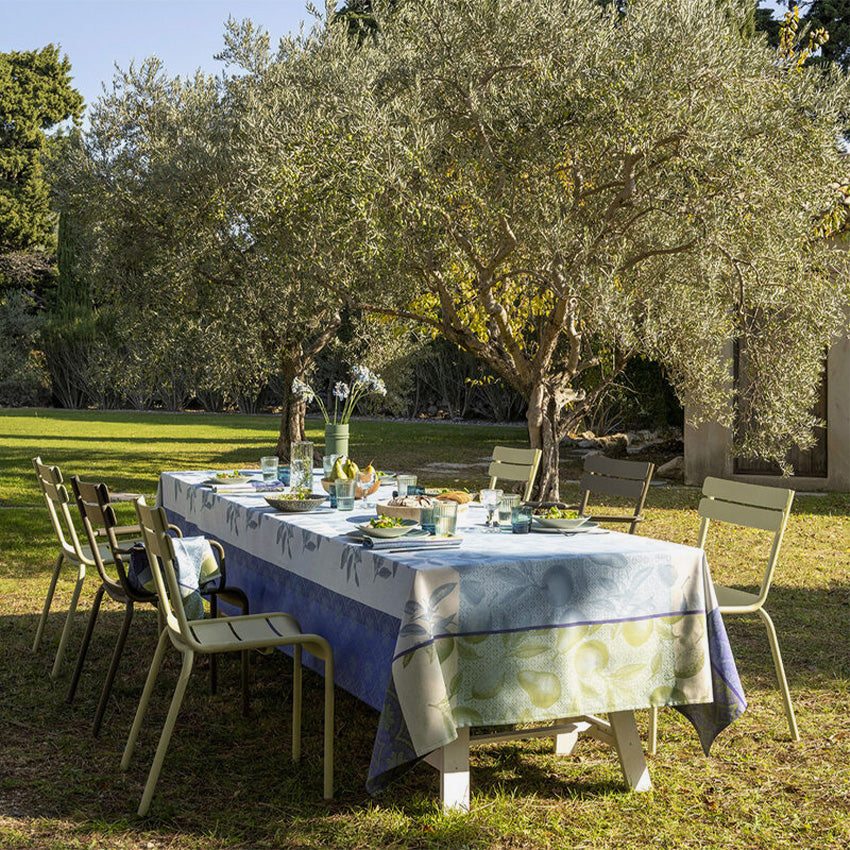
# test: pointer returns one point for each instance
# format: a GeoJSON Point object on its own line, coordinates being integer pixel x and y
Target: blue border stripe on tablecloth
{"type": "Point", "coordinates": [546, 627]}
{"type": "Point", "coordinates": [363, 638]}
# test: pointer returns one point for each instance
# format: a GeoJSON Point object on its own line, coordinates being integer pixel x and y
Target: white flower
{"type": "Point", "coordinates": [341, 390]}
{"type": "Point", "coordinates": [302, 390]}
{"type": "Point", "coordinates": [361, 374]}
{"type": "Point", "coordinates": [378, 385]}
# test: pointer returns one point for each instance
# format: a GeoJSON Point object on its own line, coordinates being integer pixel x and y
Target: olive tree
{"type": "Point", "coordinates": [202, 298]}
{"type": "Point", "coordinates": [557, 187]}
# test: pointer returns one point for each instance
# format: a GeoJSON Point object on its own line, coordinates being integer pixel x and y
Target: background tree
{"type": "Point", "coordinates": [201, 298]}
{"type": "Point", "coordinates": [556, 189]}
{"type": "Point", "coordinates": [831, 15]}
{"type": "Point", "coordinates": [35, 95]}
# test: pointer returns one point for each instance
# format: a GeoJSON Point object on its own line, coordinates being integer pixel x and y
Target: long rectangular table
{"type": "Point", "coordinates": [505, 629]}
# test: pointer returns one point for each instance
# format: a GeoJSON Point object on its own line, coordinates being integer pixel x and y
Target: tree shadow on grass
{"type": "Point", "coordinates": [220, 768]}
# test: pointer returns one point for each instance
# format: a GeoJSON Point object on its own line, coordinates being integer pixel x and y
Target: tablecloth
{"type": "Point", "coordinates": [505, 629]}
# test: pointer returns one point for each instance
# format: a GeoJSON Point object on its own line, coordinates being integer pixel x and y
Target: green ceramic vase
{"type": "Point", "coordinates": [336, 440]}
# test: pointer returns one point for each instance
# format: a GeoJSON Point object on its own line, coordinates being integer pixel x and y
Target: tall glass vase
{"type": "Point", "coordinates": [336, 439]}
{"type": "Point", "coordinates": [301, 465]}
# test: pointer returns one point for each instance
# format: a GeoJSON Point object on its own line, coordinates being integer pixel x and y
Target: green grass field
{"type": "Point", "coordinates": [229, 782]}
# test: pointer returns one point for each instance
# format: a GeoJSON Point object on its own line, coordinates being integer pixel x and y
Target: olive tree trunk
{"type": "Point", "coordinates": [545, 429]}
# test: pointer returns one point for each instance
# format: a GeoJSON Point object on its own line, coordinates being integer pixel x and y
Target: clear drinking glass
{"type": "Point", "coordinates": [345, 494]}
{"type": "Point", "coordinates": [269, 467]}
{"type": "Point", "coordinates": [509, 501]}
{"type": "Point", "coordinates": [328, 462]}
{"type": "Point", "coordinates": [491, 499]}
{"type": "Point", "coordinates": [426, 519]}
{"type": "Point", "coordinates": [445, 517]}
{"type": "Point", "coordinates": [521, 519]}
{"type": "Point", "coordinates": [365, 480]}
{"type": "Point", "coordinates": [404, 481]}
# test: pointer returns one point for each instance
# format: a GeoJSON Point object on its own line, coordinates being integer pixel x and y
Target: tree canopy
{"type": "Point", "coordinates": [557, 187]}
{"type": "Point", "coordinates": [35, 95]}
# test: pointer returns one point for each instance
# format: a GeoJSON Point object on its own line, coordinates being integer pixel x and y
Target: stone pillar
{"type": "Point", "coordinates": [708, 448]}
{"type": "Point", "coordinates": [838, 416]}
{"type": "Point", "coordinates": [707, 452]}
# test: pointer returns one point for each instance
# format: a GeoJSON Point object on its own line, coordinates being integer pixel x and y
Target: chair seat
{"type": "Point", "coordinates": [730, 600]}
{"type": "Point", "coordinates": [251, 631]}
{"type": "Point", "coordinates": [105, 552]}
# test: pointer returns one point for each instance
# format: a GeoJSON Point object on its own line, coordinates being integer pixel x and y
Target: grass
{"type": "Point", "coordinates": [228, 782]}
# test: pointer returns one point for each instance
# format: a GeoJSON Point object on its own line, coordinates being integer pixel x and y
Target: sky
{"type": "Point", "coordinates": [98, 34]}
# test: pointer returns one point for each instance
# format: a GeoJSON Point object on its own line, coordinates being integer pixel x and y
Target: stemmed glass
{"type": "Point", "coordinates": [491, 499]}
{"type": "Point", "coordinates": [366, 480]}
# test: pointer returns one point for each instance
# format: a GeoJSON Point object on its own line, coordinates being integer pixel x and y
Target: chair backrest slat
{"type": "Point", "coordinates": [89, 502]}
{"type": "Point", "coordinates": [506, 454]}
{"type": "Point", "coordinates": [515, 465]}
{"type": "Point", "coordinates": [746, 494]}
{"type": "Point", "coordinates": [94, 503]}
{"type": "Point", "coordinates": [56, 498]}
{"type": "Point", "coordinates": [734, 513]}
{"type": "Point", "coordinates": [750, 505]}
{"type": "Point", "coordinates": [602, 465]}
{"type": "Point", "coordinates": [509, 471]}
{"type": "Point", "coordinates": [160, 552]}
{"type": "Point", "coordinates": [625, 487]}
{"type": "Point", "coordinates": [628, 479]}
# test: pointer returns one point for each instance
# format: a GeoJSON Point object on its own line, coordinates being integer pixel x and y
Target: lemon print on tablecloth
{"type": "Point", "coordinates": [544, 689]}
{"type": "Point", "coordinates": [591, 657]}
{"type": "Point", "coordinates": [638, 632]}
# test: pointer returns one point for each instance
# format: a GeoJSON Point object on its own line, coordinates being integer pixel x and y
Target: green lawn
{"type": "Point", "coordinates": [228, 782]}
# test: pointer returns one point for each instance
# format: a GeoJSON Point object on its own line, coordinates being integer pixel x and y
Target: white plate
{"type": "Point", "coordinates": [413, 534]}
{"type": "Point", "coordinates": [542, 529]}
{"type": "Point", "coordinates": [389, 533]}
{"type": "Point", "coordinates": [564, 524]}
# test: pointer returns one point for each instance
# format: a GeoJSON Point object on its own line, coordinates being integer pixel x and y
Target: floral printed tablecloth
{"type": "Point", "coordinates": [505, 629]}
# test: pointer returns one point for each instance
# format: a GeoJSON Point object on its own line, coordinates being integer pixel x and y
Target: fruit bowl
{"type": "Point", "coordinates": [358, 490]}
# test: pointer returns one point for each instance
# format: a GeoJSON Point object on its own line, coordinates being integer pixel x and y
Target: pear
{"type": "Point", "coordinates": [338, 473]}
{"type": "Point", "coordinates": [370, 470]}
{"type": "Point", "coordinates": [351, 469]}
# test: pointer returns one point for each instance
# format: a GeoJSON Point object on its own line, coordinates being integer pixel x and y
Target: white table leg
{"type": "Point", "coordinates": [565, 742]}
{"type": "Point", "coordinates": [453, 763]}
{"type": "Point", "coordinates": [630, 750]}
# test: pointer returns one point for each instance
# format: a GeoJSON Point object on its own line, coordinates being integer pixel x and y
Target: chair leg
{"type": "Point", "coordinates": [296, 702]}
{"type": "Point", "coordinates": [45, 611]}
{"type": "Point", "coordinates": [84, 646]}
{"type": "Point", "coordinates": [780, 674]}
{"type": "Point", "coordinates": [143, 701]}
{"type": "Point", "coordinates": [113, 668]}
{"type": "Point", "coordinates": [329, 726]}
{"type": "Point", "coordinates": [652, 732]}
{"type": "Point", "coordinates": [213, 657]}
{"type": "Point", "coordinates": [69, 622]}
{"type": "Point", "coordinates": [246, 695]}
{"type": "Point", "coordinates": [165, 737]}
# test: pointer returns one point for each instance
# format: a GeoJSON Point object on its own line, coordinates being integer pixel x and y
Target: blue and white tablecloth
{"type": "Point", "coordinates": [505, 629]}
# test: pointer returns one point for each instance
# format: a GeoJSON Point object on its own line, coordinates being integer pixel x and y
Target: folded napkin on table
{"type": "Point", "coordinates": [418, 543]}
{"type": "Point", "coordinates": [249, 487]}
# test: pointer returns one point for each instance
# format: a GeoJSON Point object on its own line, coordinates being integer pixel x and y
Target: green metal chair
{"type": "Point", "coordinates": [99, 521]}
{"type": "Point", "coordinates": [210, 636]}
{"type": "Point", "coordinates": [57, 500]}
{"type": "Point", "coordinates": [753, 506]}
{"type": "Point", "coordinates": [518, 465]}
